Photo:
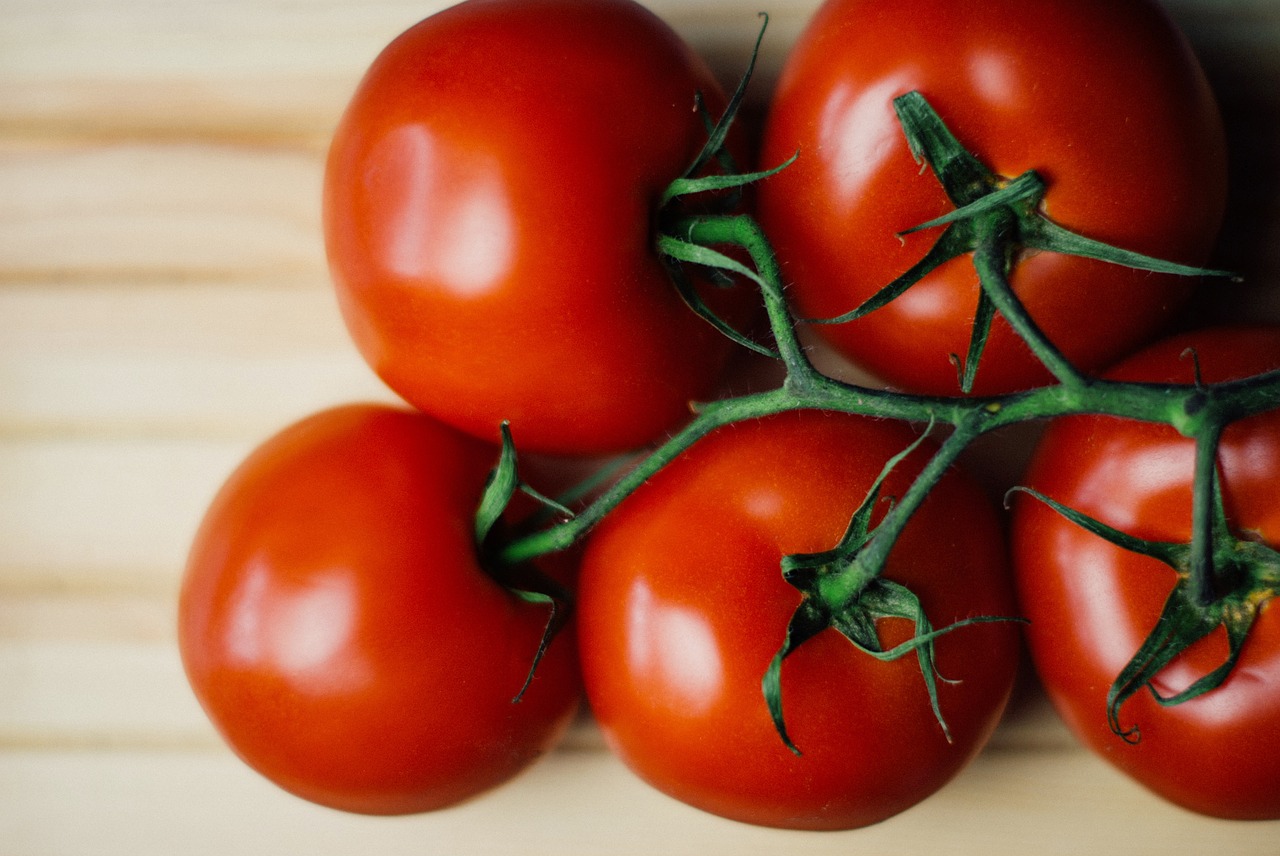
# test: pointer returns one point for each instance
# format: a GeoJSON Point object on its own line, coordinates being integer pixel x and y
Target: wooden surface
{"type": "Point", "coordinates": [164, 306]}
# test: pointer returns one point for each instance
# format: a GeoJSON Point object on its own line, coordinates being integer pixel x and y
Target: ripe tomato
{"type": "Point", "coordinates": [682, 606]}
{"type": "Point", "coordinates": [1103, 98]}
{"type": "Point", "coordinates": [489, 216]}
{"type": "Point", "coordinates": [337, 628]}
{"type": "Point", "coordinates": [1091, 603]}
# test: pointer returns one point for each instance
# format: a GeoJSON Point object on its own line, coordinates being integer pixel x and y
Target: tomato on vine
{"type": "Point", "coordinates": [338, 627]}
{"type": "Point", "coordinates": [1102, 99]}
{"type": "Point", "coordinates": [790, 614]}
{"type": "Point", "coordinates": [683, 610]}
{"type": "Point", "coordinates": [491, 200]}
{"type": "Point", "coordinates": [1176, 684]}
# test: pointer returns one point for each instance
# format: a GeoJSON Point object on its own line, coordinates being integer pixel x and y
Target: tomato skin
{"type": "Point", "coordinates": [1102, 97]}
{"type": "Point", "coordinates": [489, 214]}
{"type": "Point", "coordinates": [1091, 604]}
{"type": "Point", "coordinates": [682, 606]}
{"type": "Point", "coordinates": [337, 628]}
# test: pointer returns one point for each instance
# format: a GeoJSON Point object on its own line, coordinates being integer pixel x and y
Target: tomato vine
{"type": "Point", "coordinates": [1224, 578]}
{"type": "Point", "coordinates": [371, 607]}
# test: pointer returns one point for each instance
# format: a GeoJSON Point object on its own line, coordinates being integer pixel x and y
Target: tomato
{"type": "Point", "coordinates": [489, 216]}
{"type": "Point", "coordinates": [1091, 603]}
{"type": "Point", "coordinates": [338, 630]}
{"type": "Point", "coordinates": [682, 606]}
{"type": "Point", "coordinates": [1103, 98]}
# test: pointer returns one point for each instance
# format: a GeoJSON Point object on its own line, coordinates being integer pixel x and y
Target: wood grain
{"type": "Point", "coordinates": [164, 306]}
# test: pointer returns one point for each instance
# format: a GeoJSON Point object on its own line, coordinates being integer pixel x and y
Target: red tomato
{"type": "Point", "coordinates": [1091, 603]}
{"type": "Point", "coordinates": [1102, 97]}
{"type": "Point", "coordinates": [682, 606]}
{"type": "Point", "coordinates": [489, 215]}
{"type": "Point", "coordinates": [337, 628]}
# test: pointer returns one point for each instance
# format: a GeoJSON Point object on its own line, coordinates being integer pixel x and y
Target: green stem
{"type": "Point", "coordinates": [872, 558]}
{"type": "Point", "coordinates": [745, 233]}
{"type": "Point", "coordinates": [807, 388]}
{"type": "Point", "coordinates": [972, 417]}
{"type": "Point", "coordinates": [995, 219]}
{"type": "Point", "coordinates": [1204, 579]}
{"type": "Point", "coordinates": [992, 261]}
{"type": "Point", "coordinates": [713, 415]}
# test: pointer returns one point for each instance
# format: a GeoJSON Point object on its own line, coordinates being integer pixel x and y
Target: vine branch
{"type": "Point", "coordinates": [993, 220]}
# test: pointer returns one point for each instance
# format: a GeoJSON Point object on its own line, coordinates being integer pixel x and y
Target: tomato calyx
{"type": "Point", "coordinates": [523, 582]}
{"type": "Point", "coordinates": [1222, 584]}
{"type": "Point", "coordinates": [996, 219]}
{"type": "Point", "coordinates": [843, 591]}
{"type": "Point", "coordinates": [719, 193]}
{"type": "Point", "coordinates": [693, 181]}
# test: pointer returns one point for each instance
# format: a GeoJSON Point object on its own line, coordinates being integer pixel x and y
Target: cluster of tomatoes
{"type": "Point", "coordinates": [492, 199]}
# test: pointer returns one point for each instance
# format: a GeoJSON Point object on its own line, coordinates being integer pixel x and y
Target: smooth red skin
{"type": "Point", "coordinates": [1102, 97]}
{"type": "Point", "coordinates": [1091, 604]}
{"type": "Point", "coordinates": [682, 606]}
{"type": "Point", "coordinates": [489, 205]}
{"type": "Point", "coordinates": [338, 631]}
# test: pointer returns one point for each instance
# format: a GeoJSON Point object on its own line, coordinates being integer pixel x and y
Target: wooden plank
{"type": "Point", "coordinates": [161, 68]}
{"type": "Point", "coordinates": [98, 667]}
{"type": "Point", "coordinates": [173, 358]}
{"type": "Point", "coordinates": [244, 69]}
{"type": "Point", "coordinates": [89, 694]}
{"type": "Point", "coordinates": [97, 512]}
{"type": "Point", "coordinates": [164, 306]}
{"type": "Point", "coordinates": [195, 803]}
{"type": "Point", "coordinates": [103, 750]}
{"type": "Point", "coordinates": [178, 210]}
{"type": "Point", "coordinates": [129, 209]}
{"type": "Point", "coordinates": [139, 212]}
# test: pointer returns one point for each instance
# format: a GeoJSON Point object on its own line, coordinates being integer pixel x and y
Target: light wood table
{"type": "Point", "coordinates": [164, 306]}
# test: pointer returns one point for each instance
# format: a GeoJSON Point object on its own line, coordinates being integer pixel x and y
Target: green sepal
{"type": "Point", "coordinates": [714, 144]}
{"type": "Point", "coordinates": [1184, 619]}
{"type": "Point", "coordinates": [1182, 623]}
{"type": "Point", "coordinates": [964, 178]}
{"type": "Point", "coordinates": [887, 599]}
{"type": "Point", "coordinates": [813, 615]}
{"type": "Point", "coordinates": [1172, 553]}
{"type": "Point", "coordinates": [1041, 233]}
{"type": "Point", "coordinates": [976, 190]}
{"type": "Point", "coordinates": [983, 316]}
{"type": "Point", "coordinates": [829, 600]}
{"type": "Point", "coordinates": [990, 209]}
{"type": "Point", "coordinates": [1026, 189]}
{"type": "Point", "coordinates": [729, 181]}
{"type": "Point", "coordinates": [954, 241]}
{"type": "Point", "coordinates": [806, 622]}
{"type": "Point", "coordinates": [674, 249]}
{"type": "Point", "coordinates": [557, 604]}
{"type": "Point", "coordinates": [799, 569]}
{"type": "Point", "coordinates": [856, 621]}
{"type": "Point", "coordinates": [684, 251]}
{"type": "Point", "coordinates": [500, 488]}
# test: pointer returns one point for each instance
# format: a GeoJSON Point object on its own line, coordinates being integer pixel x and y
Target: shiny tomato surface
{"type": "Point", "coordinates": [1103, 98]}
{"type": "Point", "coordinates": [340, 633]}
{"type": "Point", "coordinates": [683, 605]}
{"type": "Point", "coordinates": [1091, 603]}
{"type": "Point", "coordinates": [489, 214]}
